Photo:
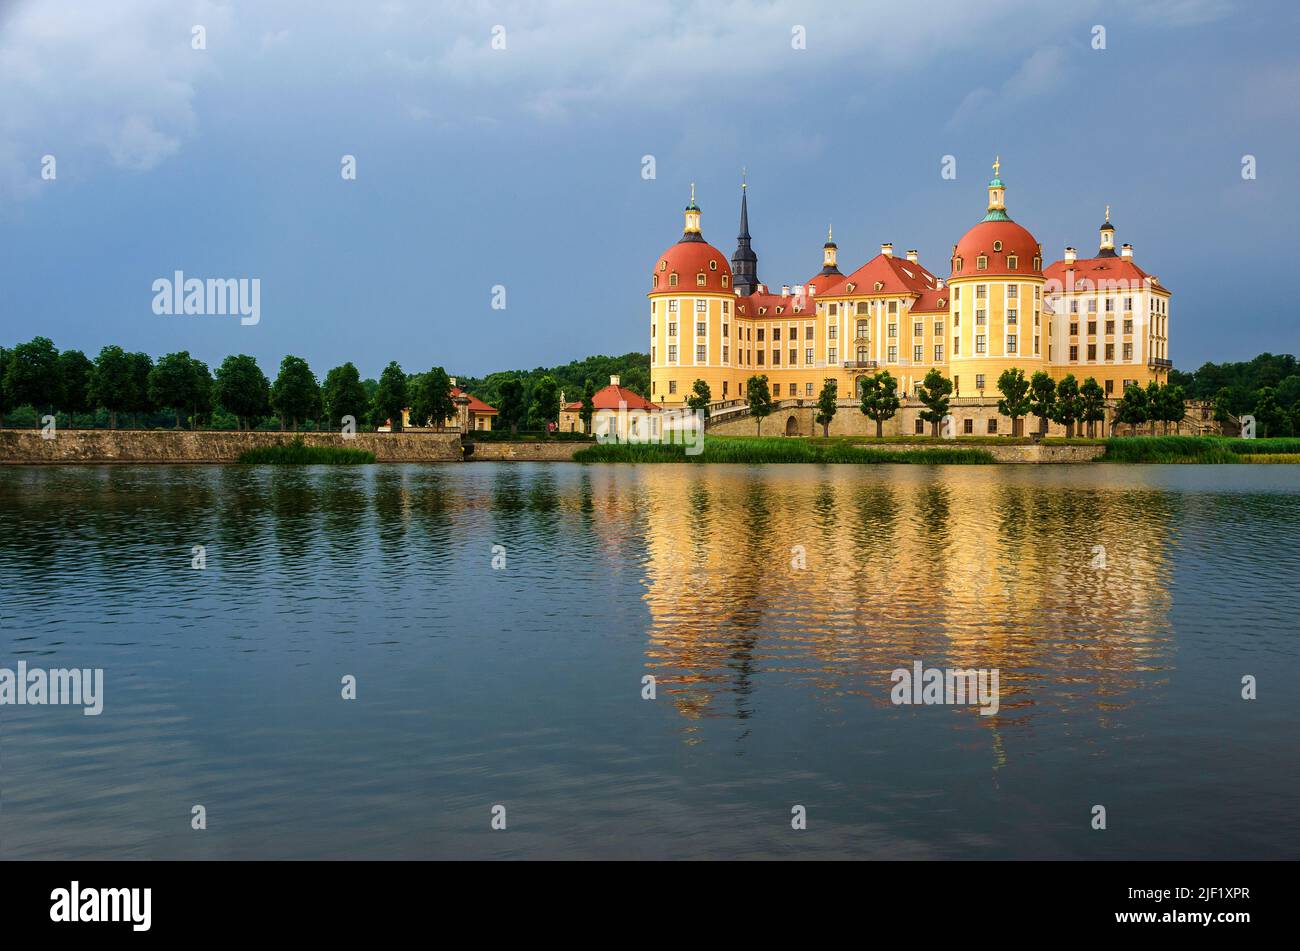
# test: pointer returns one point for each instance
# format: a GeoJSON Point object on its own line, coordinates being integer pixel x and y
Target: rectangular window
{"type": "Point", "coordinates": [776, 389]}
{"type": "Point", "coordinates": [832, 356]}
{"type": "Point", "coordinates": [672, 353]}
{"type": "Point", "coordinates": [725, 329]}
{"type": "Point", "coordinates": [981, 290]}
{"type": "Point", "coordinates": [760, 357]}
{"type": "Point", "coordinates": [1074, 353]}
{"type": "Point", "coordinates": [672, 386]}
{"type": "Point", "coordinates": [918, 328]}
{"type": "Point", "coordinates": [981, 344]}
{"type": "Point", "coordinates": [938, 353]}
{"type": "Point", "coordinates": [1074, 330]}
{"type": "Point", "coordinates": [1110, 304]}
{"type": "Point", "coordinates": [981, 317]}
{"type": "Point", "coordinates": [979, 381]}
{"type": "Point", "coordinates": [831, 332]}
{"type": "Point", "coordinates": [776, 358]}
{"type": "Point", "coordinates": [1110, 387]}
{"type": "Point", "coordinates": [807, 389]}
{"type": "Point", "coordinates": [956, 346]}
{"type": "Point", "coordinates": [808, 332]}
{"type": "Point", "coordinates": [968, 426]}
{"type": "Point", "coordinates": [892, 331]}
{"type": "Point", "coordinates": [1013, 291]}
{"type": "Point", "coordinates": [1011, 315]}
{"type": "Point", "coordinates": [1074, 306]}
{"type": "Point", "coordinates": [1092, 328]}
{"type": "Point", "coordinates": [794, 356]}
{"type": "Point", "coordinates": [776, 334]}
{"type": "Point", "coordinates": [726, 353]}
{"type": "Point", "coordinates": [1110, 351]}
{"type": "Point", "coordinates": [1092, 351]}
{"type": "Point", "coordinates": [724, 389]}
{"type": "Point", "coordinates": [862, 307]}
{"type": "Point", "coordinates": [1110, 326]}
{"type": "Point", "coordinates": [1092, 305]}
{"type": "Point", "coordinates": [701, 329]}
{"type": "Point", "coordinates": [1128, 326]}
{"type": "Point", "coordinates": [917, 353]}
{"type": "Point", "coordinates": [832, 310]}
{"type": "Point", "coordinates": [1036, 343]}
{"type": "Point", "coordinates": [760, 334]}
{"type": "Point", "coordinates": [892, 356]}
{"type": "Point", "coordinates": [1128, 303]}
{"type": "Point", "coordinates": [672, 307]}
{"type": "Point", "coordinates": [808, 355]}
{"type": "Point", "coordinates": [1011, 343]}
{"type": "Point", "coordinates": [920, 426]}
{"type": "Point", "coordinates": [672, 328]}
{"type": "Point", "coordinates": [699, 354]}
{"type": "Point", "coordinates": [701, 306]}
{"type": "Point", "coordinates": [893, 306]}
{"type": "Point", "coordinates": [938, 328]}
{"type": "Point", "coordinates": [993, 427]}
{"type": "Point", "coordinates": [1128, 351]}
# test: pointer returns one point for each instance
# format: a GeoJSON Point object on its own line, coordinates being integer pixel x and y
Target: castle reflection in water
{"type": "Point", "coordinates": [835, 577]}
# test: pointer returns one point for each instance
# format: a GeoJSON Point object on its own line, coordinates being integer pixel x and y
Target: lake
{"type": "Point", "coordinates": [500, 621]}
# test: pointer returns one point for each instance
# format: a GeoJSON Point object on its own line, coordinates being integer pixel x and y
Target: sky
{"type": "Point", "coordinates": [504, 145]}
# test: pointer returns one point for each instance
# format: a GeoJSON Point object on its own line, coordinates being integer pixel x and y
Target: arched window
{"type": "Point", "coordinates": [701, 279]}
{"type": "Point", "coordinates": [981, 263]}
{"type": "Point", "coordinates": [1013, 262]}
{"type": "Point", "coordinates": [654, 281]}
{"type": "Point", "coordinates": [726, 281]}
{"type": "Point", "coordinates": [956, 265]}
{"type": "Point", "coordinates": [672, 279]}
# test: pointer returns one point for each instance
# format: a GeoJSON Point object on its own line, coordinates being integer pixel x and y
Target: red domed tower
{"type": "Point", "coordinates": [996, 299]}
{"type": "Point", "coordinates": [692, 310]}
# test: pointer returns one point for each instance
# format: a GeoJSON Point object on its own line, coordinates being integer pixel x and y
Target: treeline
{"type": "Point", "coordinates": [633, 369]}
{"type": "Point", "coordinates": [1267, 387]}
{"type": "Point", "coordinates": [178, 390]}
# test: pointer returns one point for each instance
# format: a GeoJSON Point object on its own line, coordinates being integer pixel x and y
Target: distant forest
{"type": "Point", "coordinates": [633, 369]}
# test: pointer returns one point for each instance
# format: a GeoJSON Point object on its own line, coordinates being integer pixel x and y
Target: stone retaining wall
{"type": "Point", "coordinates": [26, 447]}
{"type": "Point", "coordinates": [524, 451]}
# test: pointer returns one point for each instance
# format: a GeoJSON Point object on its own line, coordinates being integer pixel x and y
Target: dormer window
{"type": "Point", "coordinates": [852, 287]}
{"type": "Point", "coordinates": [997, 245]}
{"type": "Point", "coordinates": [1013, 262]}
{"type": "Point", "coordinates": [761, 312]}
{"type": "Point", "coordinates": [981, 263]}
{"type": "Point", "coordinates": [956, 265]}
{"type": "Point", "coordinates": [672, 279]}
{"type": "Point", "coordinates": [701, 279]}
{"type": "Point", "coordinates": [654, 281]}
{"type": "Point", "coordinates": [880, 285]}
{"type": "Point", "coordinates": [726, 281]}
{"type": "Point", "coordinates": [663, 265]}
{"type": "Point", "coordinates": [713, 265]}
{"type": "Point", "coordinates": [1038, 263]}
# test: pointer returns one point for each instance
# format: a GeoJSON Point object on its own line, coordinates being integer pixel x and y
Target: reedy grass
{"type": "Point", "coordinates": [297, 453]}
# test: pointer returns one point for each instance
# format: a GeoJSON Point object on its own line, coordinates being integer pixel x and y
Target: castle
{"type": "Point", "coordinates": [713, 320]}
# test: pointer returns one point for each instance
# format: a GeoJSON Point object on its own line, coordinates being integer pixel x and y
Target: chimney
{"type": "Point", "coordinates": [785, 290]}
{"type": "Point", "coordinates": [1070, 255]}
{"type": "Point", "coordinates": [453, 379]}
{"type": "Point", "coordinates": [613, 379]}
{"type": "Point", "coordinates": [912, 255]}
{"type": "Point", "coordinates": [1126, 251]}
{"type": "Point", "coordinates": [887, 250]}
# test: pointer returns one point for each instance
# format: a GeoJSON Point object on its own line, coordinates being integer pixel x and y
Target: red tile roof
{"type": "Point", "coordinates": [980, 239]}
{"type": "Point", "coordinates": [687, 259]}
{"type": "Point", "coordinates": [476, 405]}
{"type": "Point", "coordinates": [1092, 272]}
{"type": "Point", "coordinates": [894, 275]}
{"type": "Point", "coordinates": [611, 397]}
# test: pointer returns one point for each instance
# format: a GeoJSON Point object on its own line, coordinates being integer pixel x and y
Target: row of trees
{"type": "Point", "coordinates": [36, 374]}
{"type": "Point", "coordinates": [1067, 402]}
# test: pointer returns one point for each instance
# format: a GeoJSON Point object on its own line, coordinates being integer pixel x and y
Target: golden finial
{"type": "Point", "coordinates": [1108, 214]}
{"type": "Point", "coordinates": [997, 165]}
{"type": "Point", "coordinates": [744, 176]}
{"type": "Point", "coordinates": [828, 233]}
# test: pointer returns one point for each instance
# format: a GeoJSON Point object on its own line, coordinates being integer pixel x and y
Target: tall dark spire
{"type": "Point", "coordinates": [744, 263]}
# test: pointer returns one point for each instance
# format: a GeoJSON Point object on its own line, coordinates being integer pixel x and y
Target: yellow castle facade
{"type": "Point", "coordinates": [1000, 306]}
